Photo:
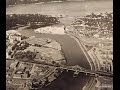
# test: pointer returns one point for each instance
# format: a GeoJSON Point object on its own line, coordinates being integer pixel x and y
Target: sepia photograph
{"type": "Point", "coordinates": [59, 44]}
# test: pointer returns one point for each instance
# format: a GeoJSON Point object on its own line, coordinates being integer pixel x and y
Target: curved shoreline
{"type": "Point", "coordinates": [77, 40]}
{"type": "Point", "coordinates": [91, 81]}
{"type": "Point", "coordinates": [73, 54]}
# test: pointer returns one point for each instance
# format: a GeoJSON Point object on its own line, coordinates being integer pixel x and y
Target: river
{"type": "Point", "coordinates": [74, 56]}
{"type": "Point", "coordinates": [71, 49]}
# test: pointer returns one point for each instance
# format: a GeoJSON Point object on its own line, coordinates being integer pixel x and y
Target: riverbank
{"type": "Point", "coordinates": [73, 53]}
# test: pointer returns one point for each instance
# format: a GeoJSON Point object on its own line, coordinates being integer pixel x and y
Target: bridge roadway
{"type": "Point", "coordinates": [75, 68]}
{"type": "Point", "coordinates": [82, 70]}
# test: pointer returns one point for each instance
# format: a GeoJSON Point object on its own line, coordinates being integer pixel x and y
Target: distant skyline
{"type": "Point", "coordinates": [60, 0]}
{"type": "Point", "coordinates": [14, 2]}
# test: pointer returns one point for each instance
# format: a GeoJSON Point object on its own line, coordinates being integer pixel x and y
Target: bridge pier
{"type": "Point", "coordinates": [86, 74]}
{"type": "Point", "coordinates": [96, 75]}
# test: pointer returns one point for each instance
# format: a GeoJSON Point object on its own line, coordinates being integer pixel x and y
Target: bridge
{"type": "Point", "coordinates": [76, 69]}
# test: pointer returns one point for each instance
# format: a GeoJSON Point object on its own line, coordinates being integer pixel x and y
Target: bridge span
{"type": "Point", "coordinates": [76, 69]}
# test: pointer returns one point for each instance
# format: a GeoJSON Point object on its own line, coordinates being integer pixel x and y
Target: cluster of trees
{"type": "Point", "coordinates": [98, 20]}
{"type": "Point", "coordinates": [23, 37]}
{"type": "Point", "coordinates": [13, 2]}
{"type": "Point", "coordinates": [14, 20]}
{"type": "Point", "coordinates": [103, 22]}
{"type": "Point", "coordinates": [15, 46]}
{"type": "Point", "coordinates": [10, 88]}
{"type": "Point", "coordinates": [18, 53]}
{"type": "Point", "coordinates": [20, 46]}
{"type": "Point", "coordinates": [28, 55]}
{"type": "Point", "coordinates": [37, 84]}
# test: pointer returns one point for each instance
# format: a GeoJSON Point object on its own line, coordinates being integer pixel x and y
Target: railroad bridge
{"type": "Point", "coordinates": [77, 69]}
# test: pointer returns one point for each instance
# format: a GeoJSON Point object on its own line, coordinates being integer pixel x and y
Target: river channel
{"type": "Point", "coordinates": [74, 56]}
{"type": "Point", "coordinates": [73, 53]}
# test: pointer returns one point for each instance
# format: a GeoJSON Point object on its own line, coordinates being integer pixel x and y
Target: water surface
{"type": "Point", "coordinates": [63, 8]}
{"type": "Point", "coordinates": [71, 49]}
